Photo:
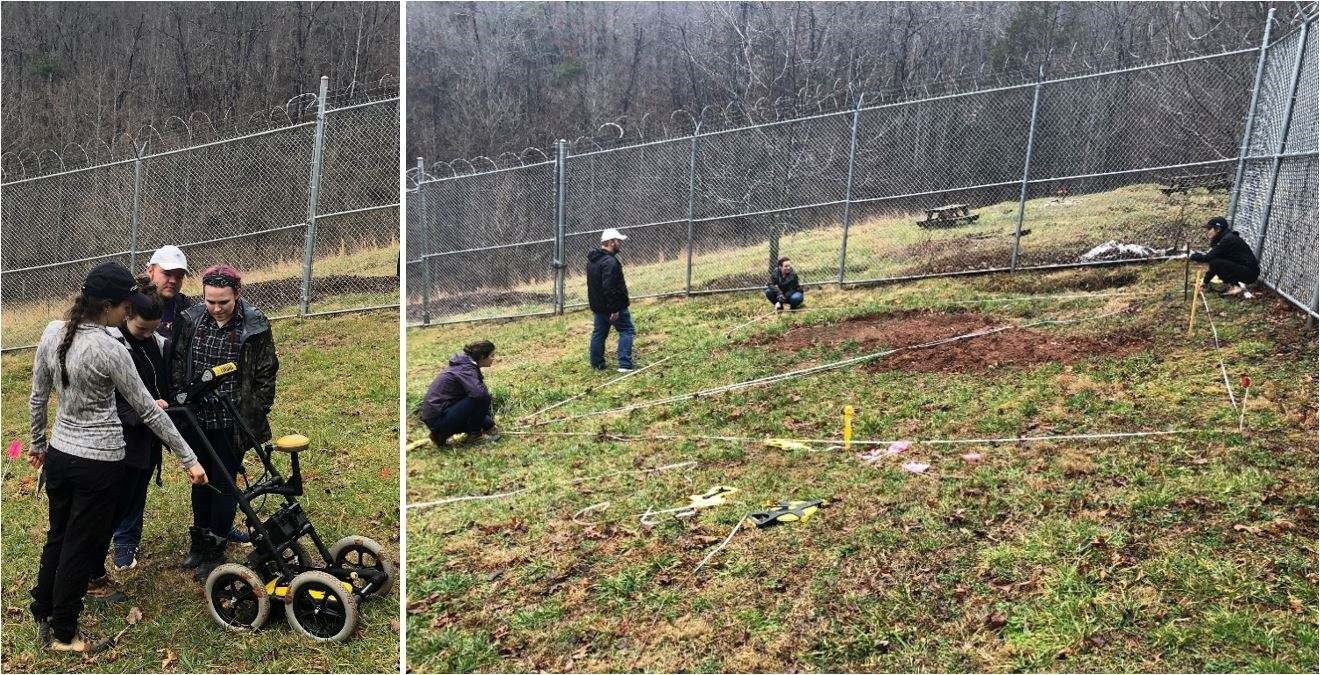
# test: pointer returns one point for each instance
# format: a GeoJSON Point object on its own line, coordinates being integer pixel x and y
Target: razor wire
{"type": "Point", "coordinates": [1149, 152]}
{"type": "Point", "coordinates": [246, 201]}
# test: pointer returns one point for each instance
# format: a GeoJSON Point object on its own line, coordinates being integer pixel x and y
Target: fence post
{"type": "Point", "coordinates": [1026, 171]}
{"type": "Point", "coordinates": [848, 189]}
{"type": "Point", "coordinates": [692, 203]}
{"type": "Point", "coordinates": [136, 226]}
{"type": "Point", "coordinates": [1283, 142]}
{"type": "Point", "coordinates": [561, 154]}
{"type": "Point", "coordinates": [1245, 149]}
{"type": "Point", "coordinates": [313, 190]}
{"type": "Point", "coordinates": [426, 244]}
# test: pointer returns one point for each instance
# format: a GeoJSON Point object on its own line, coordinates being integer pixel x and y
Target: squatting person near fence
{"type": "Point", "coordinates": [223, 328]}
{"type": "Point", "coordinates": [85, 364]}
{"type": "Point", "coordinates": [167, 268]}
{"type": "Point", "coordinates": [784, 287]}
{"type": "Point", "coordinates": [607, 294]}
{"type": "Point", "coordinates": [458, 402]}
{"type": "Point", "coordinates": [1229, 258]}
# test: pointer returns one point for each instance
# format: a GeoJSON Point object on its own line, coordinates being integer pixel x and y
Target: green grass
{"type": "Point", "coordinates": [891, 244]}
{"type": "Point", "coordinates": [21, 324]}
{"type": "Point", "coordinates": [337, 385]}
{"type": "Point", "coordinates": [1182, 553]}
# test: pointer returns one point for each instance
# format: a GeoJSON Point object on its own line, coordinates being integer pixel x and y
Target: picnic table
{"type": "Point", "coordinates": [949, 215]}
{"type": "Point", "coordinates": [1210, 181]}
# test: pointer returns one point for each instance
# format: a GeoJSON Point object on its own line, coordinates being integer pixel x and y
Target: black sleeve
{"type": "Point", "coordinates": [612, 280]}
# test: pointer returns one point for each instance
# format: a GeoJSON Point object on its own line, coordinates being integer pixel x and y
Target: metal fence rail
{"type": "Point", "coordinates": [1049, 169]}
{"type": "Point", "coordinates": [308, 211]}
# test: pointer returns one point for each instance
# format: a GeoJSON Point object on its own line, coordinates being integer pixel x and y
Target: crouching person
{"type": "Point", "coordinates": [1229, 258]}
{"type": "Point", "coordinates": [223, 328]}
{"type": "Point", "coordinates": [784, 287]}
{"type": "Point", "coordinates": [458, 402]}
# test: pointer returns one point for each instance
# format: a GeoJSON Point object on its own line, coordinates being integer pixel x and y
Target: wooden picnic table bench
{"type": "Point", "coordinates": [1210, 181]}
{"type": "Point", "coordinates": [949, 215]}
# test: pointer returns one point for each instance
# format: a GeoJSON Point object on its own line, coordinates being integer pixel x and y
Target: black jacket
{"type": "Point", "coordinates": [1231, 247]}
{"type": "Point", "coordinates": [257, 363]}
{"type": "Point", "coordinates": [607, 292]}
{"type": "Point", "coordinates": [142, 450]}
{"type": "Point", "coordinates": [785, 284]}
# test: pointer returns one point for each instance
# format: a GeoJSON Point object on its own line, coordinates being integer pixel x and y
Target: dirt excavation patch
{"type": "Point", "coordinates": [457, 303]}
{"type": "Point", "coordinates": [285, 292]}
{"type": "Point", "coordinates": [1016, 347]}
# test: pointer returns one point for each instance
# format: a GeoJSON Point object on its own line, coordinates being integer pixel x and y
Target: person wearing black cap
{"type": "Point", "coordinates": [84, 364]}
{"type": "Point", "coordinates": [1229, 258]}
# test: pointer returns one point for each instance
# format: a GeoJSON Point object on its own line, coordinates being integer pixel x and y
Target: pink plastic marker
{"type": "Point", "coordinates": [897, 447]}
{"type": "Point", "coordinates": [15, 449]}
{"type": "Point", "coordinates": [973, 457]}
{"type": "Point", "coordinates": [916, 467]}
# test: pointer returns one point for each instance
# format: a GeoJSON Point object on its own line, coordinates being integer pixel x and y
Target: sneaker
{"type": "Point", "coordinates": [132, 562]}
{"type": "Point", "coordinates": [1235, 290]}
{"type": "Point", "coordinates": [82, 643]}
{"type": "Point", "coordinates": [625, 370]}
{"type": "Point", "coordinates": [779, 306]}
{"type": "Point", "coordinates": [239, 537]}
{"type": "Point", "coordinates": [43, 633]}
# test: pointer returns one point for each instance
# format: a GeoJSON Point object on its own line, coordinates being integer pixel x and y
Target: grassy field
{"type": "Point", "coordinates": [1173, 553]}
{"type": "Point", "coordinates": [343, 279]}
{"type": "Point", "coordinates": [882, 245]}
{"type": "Point", "coordinates": [337, 385]}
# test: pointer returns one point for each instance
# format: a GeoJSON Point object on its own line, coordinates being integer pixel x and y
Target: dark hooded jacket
{"type": "Point", "coordinates": [142, 450]}
{"type": "Point", "coordinates": [257, 363]}
{"type": "Point", "coordinates": [786, 284]}
{"type": "Point", "coordinates": [1230, 246]}
{"type": "Point", "coordinates": [462, 379]}
{"type": "Point", "coordinates": [607, 292]}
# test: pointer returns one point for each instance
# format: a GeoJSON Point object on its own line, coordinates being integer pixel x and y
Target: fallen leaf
{"type": "Point", "coordinates": [973, 457]}
{"type": "Point", "coordinates": [134, 616]}
{"type": "Point", "coordinates": [916, 467]}
{"type": "Point", "coordinates": [995, 621]}
{"type": "Point", "coordinates": [168, 659]}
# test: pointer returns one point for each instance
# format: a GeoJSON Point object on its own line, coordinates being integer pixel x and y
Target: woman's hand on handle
{"type": "Point", "coordinates": [197, 475]}
{"type": "Point", "coordinates": [35, 460]}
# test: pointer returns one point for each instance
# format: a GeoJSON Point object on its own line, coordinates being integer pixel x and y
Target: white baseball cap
{"type": "Point", "coordinates": [170, 258]}
{"type": "Point", "coordinates": [611, 234]}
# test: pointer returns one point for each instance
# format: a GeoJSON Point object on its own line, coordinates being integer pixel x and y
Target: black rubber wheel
{"type": "Point", "coordinates": [319, 607]}
{"type": "Point", "coordinates": [237, 598]}
{"type": "Point", "coordinates": [354, 551]}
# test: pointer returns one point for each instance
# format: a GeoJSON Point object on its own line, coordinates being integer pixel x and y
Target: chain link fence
{"type": "Point", "coordinates": [309, 212]}
{"type": "Point", "coordinates": [1029, 176]}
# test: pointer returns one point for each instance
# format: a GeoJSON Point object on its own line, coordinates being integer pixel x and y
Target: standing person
{"type": "Point", "coordinates": [223, 328]}
{"type": "Point", "coordinates": [458, 402]}
{"type": "Point", "coordinates": [167, 268]}
{"type": "Point", "coordinates": [1229, 258]}
{"type": "Point", "coordinates": [784, 287]}
{"type": "Point", "coordinates": [607, 293]}
{"type": "Point", "coordinates": [84, 364]}
{"type": "Point", "coordinates": [142, 450]}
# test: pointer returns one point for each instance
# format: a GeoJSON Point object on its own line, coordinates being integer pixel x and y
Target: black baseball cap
{"type": "Point", "coordinates": [113, 281]}
{"type": "Point", "coordinates": [1216, 223]}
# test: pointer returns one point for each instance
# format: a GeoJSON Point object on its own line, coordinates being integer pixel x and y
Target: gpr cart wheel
{"type": "Point", "coordinates": [355, 551]}
{"type": "Point", "coordinates": [319, 607]}
{"type": "Point", "coordinates": [237, 598]}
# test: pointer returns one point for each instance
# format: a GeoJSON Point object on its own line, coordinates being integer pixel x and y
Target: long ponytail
{"type": "Point", "coordinates": [84, 308]}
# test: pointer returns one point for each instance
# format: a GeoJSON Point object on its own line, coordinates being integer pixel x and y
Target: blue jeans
{"type": "Point", "coordinates": [128, 530]}
{"type": "Point", "coordinates": [469, 416]}
{"type": "Point", "coordinates": [794, 299]}
{"type": "Point", "coordinates": [601, 330]}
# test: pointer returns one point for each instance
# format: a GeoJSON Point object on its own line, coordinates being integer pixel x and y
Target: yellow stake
{"type": "Point", "coordinates": [847, 427]}
{"type": "Point", "coordinates": [1191, 318]}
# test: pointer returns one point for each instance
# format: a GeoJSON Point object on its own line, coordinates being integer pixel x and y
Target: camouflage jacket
{"type": "Point", "coordinates": [257, 363]}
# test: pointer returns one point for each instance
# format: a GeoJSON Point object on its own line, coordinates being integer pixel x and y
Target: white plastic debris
{"type": "Point", "coordinates": [1114, 250]}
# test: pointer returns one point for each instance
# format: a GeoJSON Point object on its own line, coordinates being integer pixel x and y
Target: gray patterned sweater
{"type": "Point", "coordinates": [86, 421]}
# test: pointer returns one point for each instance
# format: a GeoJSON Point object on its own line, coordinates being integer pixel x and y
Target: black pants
{"type": "Point", "coordinates": [134, 482]}
{"type": "Point", "coordinates": [83, 494]}
{"type": "Point", "coordinates": [214, 505]}
{"type": "Point", "coordinates": [1231, 272]}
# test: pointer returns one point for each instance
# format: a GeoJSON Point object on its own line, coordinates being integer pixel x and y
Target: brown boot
{"type": "Point", "coordinates": [82, 643]}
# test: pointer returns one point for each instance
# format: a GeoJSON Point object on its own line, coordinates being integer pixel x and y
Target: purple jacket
{"type": "Point", "coordinates": [462, 379]}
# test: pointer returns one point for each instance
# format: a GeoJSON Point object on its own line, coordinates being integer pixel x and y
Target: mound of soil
{"type": "Point", "coordinates": [1081, 279]}
{"type": "Point", "coordinates": [1018, 347]}
{"type": "Point", "coordinates": [285, 292]}
{"type": "Point", "coordinates": [458, 303]}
